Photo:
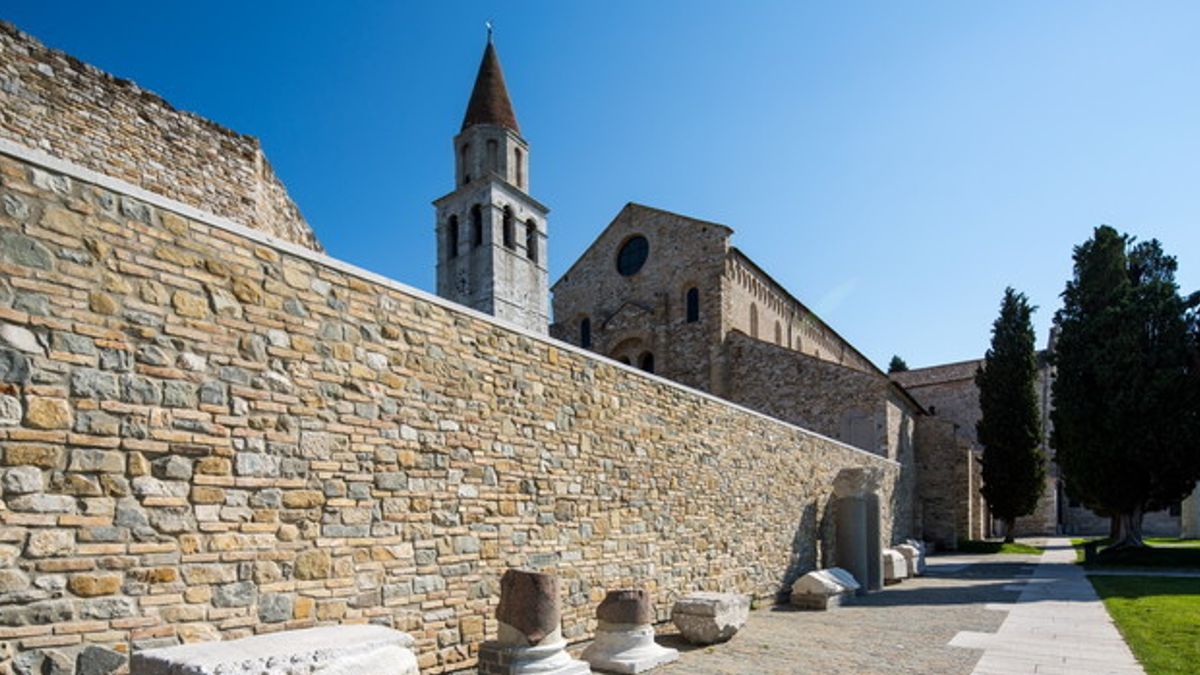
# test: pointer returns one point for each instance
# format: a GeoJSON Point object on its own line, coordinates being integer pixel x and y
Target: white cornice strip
{"type": "Point", "coordinates": [44, 160]}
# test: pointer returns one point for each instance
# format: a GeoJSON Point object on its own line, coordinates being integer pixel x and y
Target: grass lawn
{"type": "Point", "coordinates": [980, 546]}
{"type": "Point", "coordinates": [1162, 553]}
{"type": "Point", "coordinates": [1159, 618]}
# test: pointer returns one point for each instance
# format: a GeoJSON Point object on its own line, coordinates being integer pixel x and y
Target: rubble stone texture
{"type": "Point", "coordinates": [73, 111]}
{"type": "Point", "coordinates": [379, 456]}
{"type": "Point", "coordinates": [706, 618]}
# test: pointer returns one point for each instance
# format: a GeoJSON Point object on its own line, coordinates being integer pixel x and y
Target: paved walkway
{"type": "Point", "coordinates": [1057, 626]}
{"type": "Point", "coordinates": [905, 629]}
{"type": "Point", "coordinates": [984, 614]}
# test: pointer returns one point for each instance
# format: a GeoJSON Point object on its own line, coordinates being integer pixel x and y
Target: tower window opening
{"type": "Point", "coordinates": [753, 320]}
{"type": "Point", "coordinates": [493, 156]}
{"type": "Point", "coordinates": [531, 240]}
{"type": "Point", "coordinates": [509, 235]}
{"type": "Point", "coordinates": [585, 333]}
{"type": "Point", "coordinates": [517, 157]}
{"type": "Point", "coordinates": [692, 302]}
{"type": "Point", "coordinates": [452, 237]}
{"type": "Point", "coordinates": [466, 169]}
{"type": "Point", "coordinates": [646, 362]}
{"type": "Point", "coordinates": [477, 225]}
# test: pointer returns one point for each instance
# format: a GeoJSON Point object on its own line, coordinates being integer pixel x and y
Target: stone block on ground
{"type": "Point", "coordinates": [922, 550]}
{"type": "Point", "coordinates": [625, 637]}
{"type": "Point", "coordinates": [911, 557]}
{"type": "Point", "coordinates": [330, 650]}
{"type": "Point", "coordinates": [823, 589]}
{"type": "Point", "coordinates": [706, 618]}
{"type": "Point", "coordinates": [895, 568]}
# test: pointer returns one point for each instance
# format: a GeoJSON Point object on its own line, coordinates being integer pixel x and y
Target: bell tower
{"type": "Point", "coordinates": [491, 234]}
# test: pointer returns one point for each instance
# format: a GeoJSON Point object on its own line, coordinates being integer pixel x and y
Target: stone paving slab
{"type": "Point", "coordinates": [1056, 625]}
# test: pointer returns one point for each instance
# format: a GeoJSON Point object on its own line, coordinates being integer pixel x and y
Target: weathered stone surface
{"type": "Point", "coordinates": [895, 568]}
{"type": "Point", "coordinates": [19, 249]}
{"type": "Point", "coordinates": [10, 410]}
{"type": "Point", "coordinates": [90, 585]}
{"type": "Point", "coordinates": [239, 594]}
{"type": "Point", "coordinates": [313, 564]}
{"type": "Point", "coordinates": [23, 480]}
{"type": "Point", "coordinates": [20, 337]}
{"type": "Point", "coordinates": [46, 543]}
{"type": "Point", "coordinates": [823, 589]}
{"type": "Point", "coordinates": [332, 650]}
{"type": "Point", "coordinates": [88, 383]}
{"type": "Point", "coordinates": [706, 618]}
{"type": "Point", "coordinates": [14, 366]}
{"type": "Point", "coordinates": [530, 603]}
{"type": "Point", "coordinates": [631, 605]}
{"type": "Point", "coordinates": [94, 660]}
{"type": "Point", "coordinates": [47, 413]}
{"type": "Point", "coordinates": [912, 558]}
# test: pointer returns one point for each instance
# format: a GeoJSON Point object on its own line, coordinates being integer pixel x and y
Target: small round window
{"type": "Point", "coordinates": [632, 255]}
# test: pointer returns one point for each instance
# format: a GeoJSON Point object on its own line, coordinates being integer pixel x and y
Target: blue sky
{"type": "Point", "coordinates": [895, 165]}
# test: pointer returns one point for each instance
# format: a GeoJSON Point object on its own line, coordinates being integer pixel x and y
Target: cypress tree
{"type": "Point", "coordinates": [1126, 400]}
{"type": "Point", "coordinates": [897, 364]}
{"type": "Point", "coordinates": [1010, 429]}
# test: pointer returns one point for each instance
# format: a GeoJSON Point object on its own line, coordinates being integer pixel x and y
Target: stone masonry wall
{"type": "Point", "coordinates": [52, 101]}
{"type": "Point", "coordinates": [819, 395]}
{"type": "Point", "coordinates": [205, 436]}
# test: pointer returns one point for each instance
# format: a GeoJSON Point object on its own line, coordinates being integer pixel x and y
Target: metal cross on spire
{"type": "Point", "coordinates": [490, 29]}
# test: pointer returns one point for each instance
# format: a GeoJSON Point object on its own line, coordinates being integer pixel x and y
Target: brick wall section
{"type": "Point", "coordinates": [52, 101]}
{"type": "Point", "coordinates": [206, 437]}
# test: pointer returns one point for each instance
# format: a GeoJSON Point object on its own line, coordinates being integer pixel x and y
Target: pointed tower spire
{"type": "Point", "coordinates": [489, 102]}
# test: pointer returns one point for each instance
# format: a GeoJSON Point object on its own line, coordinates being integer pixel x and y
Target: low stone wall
{"type": "Point", "coordinates": [56, 103]}
{"type": "Point", "coordinates": [206, 436]}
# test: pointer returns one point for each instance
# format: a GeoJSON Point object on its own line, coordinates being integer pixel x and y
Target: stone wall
{"type": "Point", "coordinates": [829, 399]}
{"type": "Point", "coordinates": [207, 436]}
{"type": "Point", "coordinates": [52, 101]}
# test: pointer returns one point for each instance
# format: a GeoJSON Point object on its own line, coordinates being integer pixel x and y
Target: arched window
{"type": "Point", "coordinates": [477, 225]}
{"type": "Point", "coordinates": [531, 240]}
{"type": "Point", "coordinates": [466, 168]}
{"type": "Point", "coordinates": [778, 334]}
{"type": "Point", "coordinates": [692, 302]}
{"type": "Point", "coordinates": [646, 362]}
{"type": "Point", "coordinates": [509, 235]}
{"type": "Point", "coordinates": [517, 157]}
{"type": "Point", "coordinates": [452, 237]}
{"type": "Point", "coordinates": [753, 320]}
{"type": "Point", "coordinates": [493, 156]}
{"type": "Point", "coordinates": [585, 333]}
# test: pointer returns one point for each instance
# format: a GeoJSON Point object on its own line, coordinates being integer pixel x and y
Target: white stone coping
{"type": "Point", "coordinates": [42, 159]}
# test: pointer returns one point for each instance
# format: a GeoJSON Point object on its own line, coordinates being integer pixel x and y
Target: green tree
{"type": "Point", "coordinates": [1010, 429]}
{"type": "Point", "coordinates": [897, 365]}
{"type": "Point", "coordinates": [1126, 400]}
